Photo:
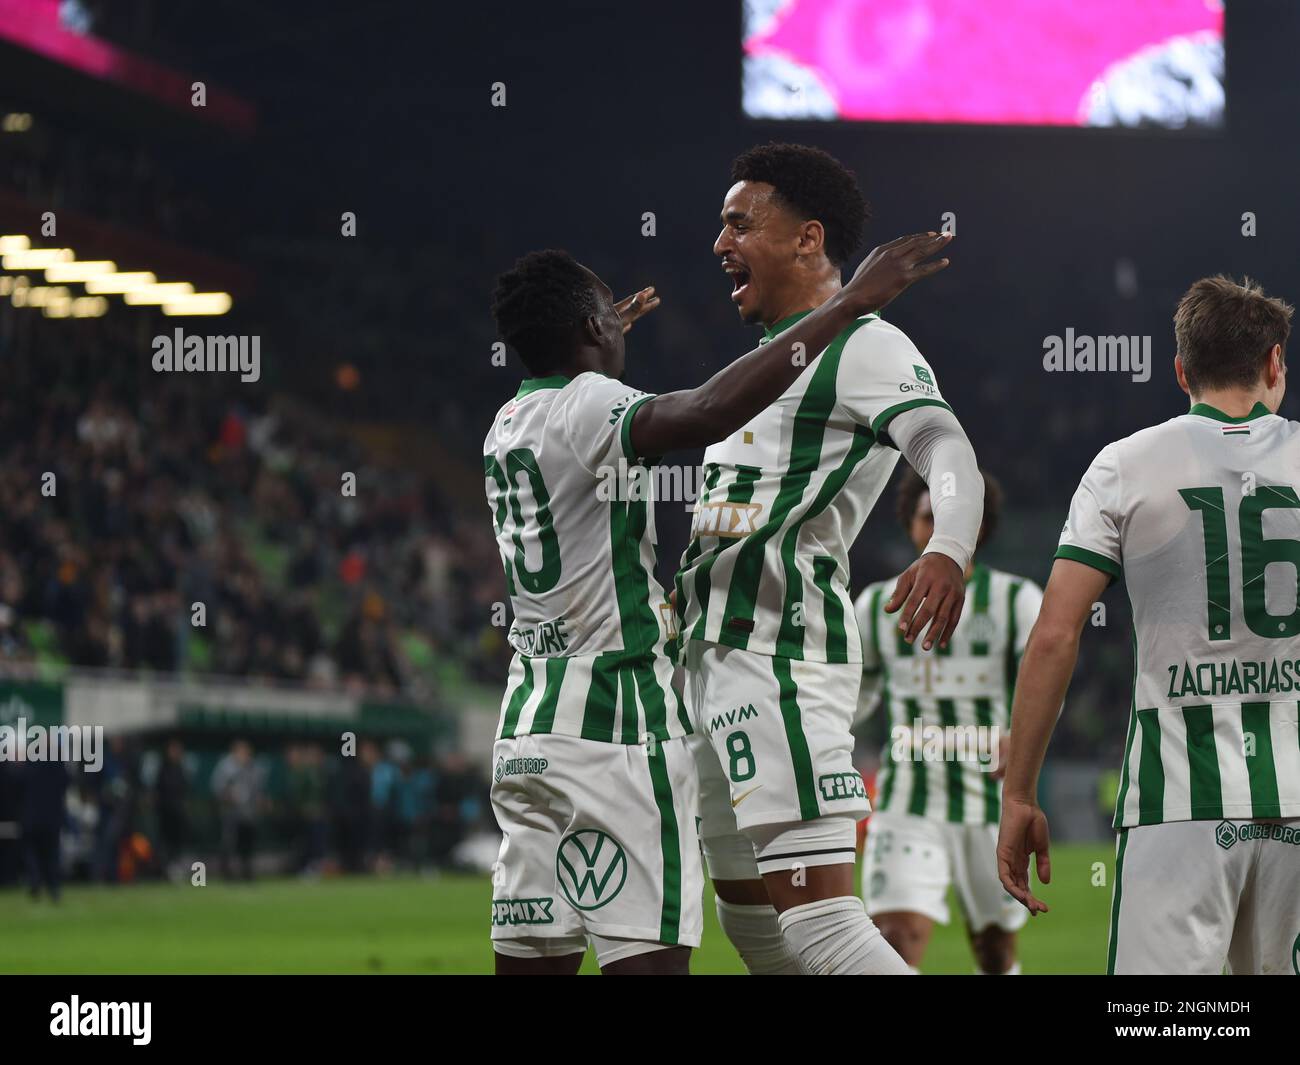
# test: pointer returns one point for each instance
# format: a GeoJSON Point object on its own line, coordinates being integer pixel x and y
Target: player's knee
{"type": "Point", "coordinates": [805, 861]}
{"type": "Point", "coordinates": [836, 937]}
{"type": "Point", "coordinates": [994, 950]}
{"type": "Point", "coordinates": [756, 934]}
{"type": "Point", "coordinates": [731, 865]}
{"type": "Point", "coordinates": [905, 933]}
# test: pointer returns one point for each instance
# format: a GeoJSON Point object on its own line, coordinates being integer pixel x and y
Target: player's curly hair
{"type": "Point", "coordinates": [539, 304]}
{"type": "Point", "coordinates": [911, 486]}
{"type": "Point", "coordinates": [816, 186]}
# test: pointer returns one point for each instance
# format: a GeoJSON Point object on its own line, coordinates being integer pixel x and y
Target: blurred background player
{"type": "Point", "coordinates": [1200, 515]}
{"type": "Point", "coordinates": [934, 822]}
{"type": "Point", "coordinates": [594, 790]}
{"type": "Point", "coordinates": [772, 654]}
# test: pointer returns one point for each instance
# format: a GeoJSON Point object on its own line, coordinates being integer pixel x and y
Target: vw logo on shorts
{"type": "Point", "coordinates": [591, 868]}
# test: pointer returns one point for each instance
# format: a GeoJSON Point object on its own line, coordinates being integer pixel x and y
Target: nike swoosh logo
{"type": "Point", "coordinates": [741, 798]}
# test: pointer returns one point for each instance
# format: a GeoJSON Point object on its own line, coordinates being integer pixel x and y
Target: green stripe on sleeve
{"type": "Point", "coordinates": [1090, 558]}
{"type": "Point", "coordinates": [882, 420]}
{"type": "Point", "coordinates": [669, 845]}
{"type": "Point", "coordinates": [1260, 767]}
{"type": "Point", "coordinates": [625, 427]}
{"type": "Point", "coordinates": [1203, 763]}
{"type": "Point", "coordinates": [809, 809]}
{"type": "Point", "coordinates": [544, 719]}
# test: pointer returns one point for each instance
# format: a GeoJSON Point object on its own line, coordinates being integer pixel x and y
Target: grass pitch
{"type": "Point", "coordinates": [409, 924]}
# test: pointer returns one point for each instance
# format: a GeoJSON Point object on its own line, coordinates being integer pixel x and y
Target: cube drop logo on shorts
{"type": "Point", "coordinates": [591, 867]}
{"type": "Point", "coordinates": [1225, 835]}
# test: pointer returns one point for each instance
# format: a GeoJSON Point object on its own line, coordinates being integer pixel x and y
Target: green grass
{"type": "Point", "coordinates": [417, 925]}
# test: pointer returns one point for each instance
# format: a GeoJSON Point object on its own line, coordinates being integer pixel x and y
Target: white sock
{"type": "Point", "coordinates": [835, 937]}
{"type": "Point", "coordinates": [1013, 971]}
{"type": "Point", "coordinates": [756, 934]}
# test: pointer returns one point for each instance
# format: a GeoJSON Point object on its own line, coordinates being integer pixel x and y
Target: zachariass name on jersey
{"type": "Point", "coordinates": [1205, 679]}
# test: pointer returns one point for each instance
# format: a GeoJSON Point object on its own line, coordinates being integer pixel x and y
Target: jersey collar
{"type": "Point", "coordinates": [533, 384]}
{"type": "Point", "coordinates": [1206, 411]}
{"type": "Point", "coordinates": [784, 324]}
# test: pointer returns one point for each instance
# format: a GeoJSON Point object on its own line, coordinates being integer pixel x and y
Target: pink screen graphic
{"type": "Point", "coordinates": [1090, 62]}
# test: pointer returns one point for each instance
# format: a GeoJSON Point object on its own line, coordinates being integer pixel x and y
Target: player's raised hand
{"type": "Point", "coordinates": [632, 307]}
{"type": "Point", "coordinates": [1023, 832]}
{"type": "Point", "coordinates": [930, 591]}
{"type": "Point", "coordinates": [892, 267]}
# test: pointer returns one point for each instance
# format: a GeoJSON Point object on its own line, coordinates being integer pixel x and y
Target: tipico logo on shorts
{"type": "Point", "coordinates": [591, 867]}
{"type": "Point", "coordinates": [509, 767]}
{"type": "Point", "coordinates": [841, 786]}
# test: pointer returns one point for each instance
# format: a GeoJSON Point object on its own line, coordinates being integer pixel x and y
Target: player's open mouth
{"type": "Point", "coordinates": [739, 279]}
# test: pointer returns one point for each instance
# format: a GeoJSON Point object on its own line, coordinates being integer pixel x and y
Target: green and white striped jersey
{"type": "Point", "coordinates": [576, 534]}
{"type": "Point", "coordinates": [948, 705]}
{"type": "Point", "coordinates": [1201, 518]}
{"type": "Point", "coordinates": [767, 566]}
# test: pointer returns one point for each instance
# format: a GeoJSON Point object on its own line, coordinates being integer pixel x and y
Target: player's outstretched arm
{"type": "Point", "coordinates": [733, 396]}
{"type": "Point", "coordinates": [1044, 675]}
{"type": "Point", "coordinates": [932, 590]}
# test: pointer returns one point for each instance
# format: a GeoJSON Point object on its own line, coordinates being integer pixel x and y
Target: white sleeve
{"type": "Point", "coordinates": [1091, 534]}
{"type": "Point", "coordinates": [880, 375]}
{"type": "Point", "coordinates": [597, 419]}
{"type": "Point", "coordinates": [933, 441]}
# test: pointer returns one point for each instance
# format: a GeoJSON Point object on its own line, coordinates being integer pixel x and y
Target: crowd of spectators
{"type": "Point", "coordinates": [128, 501]}
{"type": "Point", "coordinates": [153, 811]}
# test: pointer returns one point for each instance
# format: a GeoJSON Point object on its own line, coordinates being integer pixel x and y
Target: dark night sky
{"type": "Point", "coordinates": [614, 110]}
